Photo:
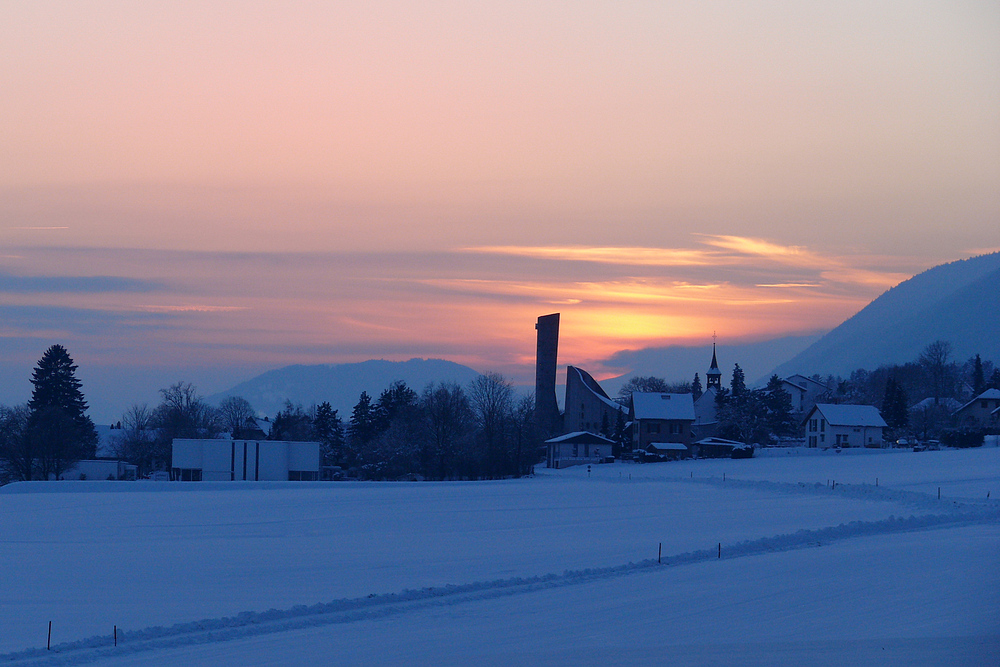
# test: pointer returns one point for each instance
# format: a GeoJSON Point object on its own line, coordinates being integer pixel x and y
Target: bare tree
{"type": "Point", "coordinates": [135, 441]}
{"type": "Point", "coordinates": [16, 454]}
{"type": "Point", "coordinates": [234, 413]}
{"type": "Point", "coordinates": [447, 422]}
{"type": "Point", "coordinates": [491, 397]}
{"type": "Point", "coordinates": [934, 360]}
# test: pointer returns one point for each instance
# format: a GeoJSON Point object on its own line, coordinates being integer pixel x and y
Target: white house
{"type": "Point", "coordinates": [980, 411]}
{"type": "Point", "coordinates": [804, 391]}
{"type": "Point", "coordinates": [244, 460]}
{"type": "Point", "coordinates": [829, 425]}
{"type": "Point", "coordinates": [577, 448]}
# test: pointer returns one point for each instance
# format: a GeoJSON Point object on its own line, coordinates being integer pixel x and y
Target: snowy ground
{"type": "Point", "coordinates": [558, 569]}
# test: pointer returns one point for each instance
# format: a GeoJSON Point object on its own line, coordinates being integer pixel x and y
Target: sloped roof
{"type": "Point", "coordinates": [582, 437]}
{"type": "Point", "coordinates": [988, 394]}
{"type": "Point", "coordinates": [667, 446]}
{"type": "Point", "coordinates": [654, 405]}
{"type": "Point", "coordinates": [720, 442]}
{"type": "Point", "coordinates": [714, 368]}
{"type": "Point", "coordinates": [591, 384]}
{"type": "Point", "coordinates": [851, 415]}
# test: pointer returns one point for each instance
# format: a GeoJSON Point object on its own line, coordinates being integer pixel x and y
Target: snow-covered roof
{"type": "Point", "coordinates": [722, 442]}
{"type": "Point", "coordinates": [654, 405]}
{"type": "Point", "coordinates": [851, 415]}
{"type": "Point", "coordinates": [580, 436]}
{"type": "Point", "coordinates": [949, 403]}
{"type": "Point", "coordinates": [988, 394]}
{"type": "Point", "coordinates": [667, 446]}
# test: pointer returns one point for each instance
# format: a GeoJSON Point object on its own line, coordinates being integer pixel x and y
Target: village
{"type": "Point", "coordinates": [486, 431]}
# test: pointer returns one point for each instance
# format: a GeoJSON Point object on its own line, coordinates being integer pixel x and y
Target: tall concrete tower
{"type": "Point", "coordinates": [546, 406]}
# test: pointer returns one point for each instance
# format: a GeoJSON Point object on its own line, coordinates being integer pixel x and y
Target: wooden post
{"type": "Point", "coordinates": [939, 493]}
{"type": "Point", "coordinates": [720, 550]}
{"type": "Point", "coordinates": [876, 481]}
{"type": "Point", "coordinates": [723, 477]}
{"type": "Point", "coordinates": [659, 554]}
{"type": "Point", "coordinates": [116, 635]}
{"type": "Point", "coordinates": [48, 642]}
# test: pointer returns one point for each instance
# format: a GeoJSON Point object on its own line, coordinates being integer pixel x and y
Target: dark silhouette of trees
{"type": "Point", "coordinates": [978, 377]}
{"type": "Point", "coordinates": [15, 447]}
{"type": "Point", "coordinates": [292, 423]}
{"type": "Point", "coordinates": [135, 440]}
{"type": "Point", "coordinates": [895, 405]}
{"type": "Point", "coordinates": [738, 385]}
{"type": "Point", "coordinates": [934, 361]}
{"type": "Point", "coordinates": [59, 432]}
{"type": "Point", "coordinates": [182, 413]}
{"type": "Point", "coordinates": [328, 429]}
{"type": "Point", "coordinates": [236, 416]}
{"type": "Point", "coordinates": [696, 387]}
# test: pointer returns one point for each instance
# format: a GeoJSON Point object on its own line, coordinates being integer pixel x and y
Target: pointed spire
{"type": "Point", "coordinates": [713, 378]}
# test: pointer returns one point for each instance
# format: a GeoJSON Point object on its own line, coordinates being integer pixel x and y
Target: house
{"type": "Point", "coordinates": [980, 411]}
{"type": "Point", "coordinates": [829, 425]}
{"type": "Point", "coordinates": [804, 392]}
{"type": "Point", "coordinates": [588, 407]}
{"type": "Point", "coordinates": [244, 460]}
{"type": "Point", "coordinates": [659, 420]}
{"type": "Point", "coordinates": [577, 448]}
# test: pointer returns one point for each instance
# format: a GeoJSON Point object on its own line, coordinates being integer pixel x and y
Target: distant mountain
{"type": "Point", "coordinates": [957, 302]}
{"type": "Point", "coordinates": [341, 384]}
{"type": "Point", "coordinates": [678, 363]}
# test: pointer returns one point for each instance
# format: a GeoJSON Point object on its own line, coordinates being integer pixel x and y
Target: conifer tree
{"type": "Point", "coordinates": [978, 377]}
{"type": "Point", "coordinates": [696, 388]}
{"type": "Point", "coordinates": [60, 431]}
{"type": "Point", "coordinates": [739, 383]}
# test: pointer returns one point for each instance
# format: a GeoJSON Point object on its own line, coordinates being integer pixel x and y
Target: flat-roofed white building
{"type": "Point", "coordinates": [245, 460]}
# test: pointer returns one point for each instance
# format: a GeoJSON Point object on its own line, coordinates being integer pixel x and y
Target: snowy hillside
{"type": "Point", "coordinates": [955, 302]}
{"type": "Point", "coordinates": [818, 566]}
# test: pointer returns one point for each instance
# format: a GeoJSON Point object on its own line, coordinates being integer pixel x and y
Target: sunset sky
{"type": "Point", "coordinates": [205, 190]}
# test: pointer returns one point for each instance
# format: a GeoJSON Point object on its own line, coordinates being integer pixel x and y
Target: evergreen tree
{"type": "Point", "coordinates": [978, 377]}
{"type": "Point", "coordinates": [363, 425]}
{"type": "Point", "coordinates": [994, 380]}
{"type": "Point", "coordinates": [739, 384]}
{"type": "Point", "coordinates": [778, 403]}
{"type": "Point", "coordinates": [696, 387]}
{"type": "Point", "coordinates": [328, 428]}
{"type": "Point", "coordinates": [292, 423]}
{"type": "Point", "coordinates": [59, 430]}
{"type": "Point", "coordinates": [622, 437]}
{"type": "Point", "coordinates": [894, 405]}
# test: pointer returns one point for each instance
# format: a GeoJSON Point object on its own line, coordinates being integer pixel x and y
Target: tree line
{"type": "Point", "coordinates": [481, 431]}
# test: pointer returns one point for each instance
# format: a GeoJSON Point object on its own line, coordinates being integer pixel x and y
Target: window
{"type": "Point", "coordinates": [187, 474]}
{"type": "Point", "coordinates": [822, 425]}
{"type": "Point", "coordinates": [812, 425]}
{"type": "Point", "coordinates": [576, 450]}
{"type": "Point", "coordinates": [653, 428]}
{"type": "Point", "coordinates": [302, 476]}
{"type": "Point", "coordinates": [812, 440]}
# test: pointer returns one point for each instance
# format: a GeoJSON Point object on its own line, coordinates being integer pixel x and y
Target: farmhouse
{"type": "Point", "coordinates": [661, 421]}
{"type": "Point", "coordinates": [980, 411]}
{"type": "Point", "coordinates": [829, 425]}
{"type": "Point", "coordinates": [244, 460]}
{"type": "Point", "coordinates": [577, 448]}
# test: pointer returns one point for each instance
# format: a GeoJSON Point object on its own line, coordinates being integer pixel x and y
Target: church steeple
{"type": "Point", "coordinates": [713, 378]}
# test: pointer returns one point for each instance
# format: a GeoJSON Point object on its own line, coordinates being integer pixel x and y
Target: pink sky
{"type": "Point", "coordinates": [307, 182]}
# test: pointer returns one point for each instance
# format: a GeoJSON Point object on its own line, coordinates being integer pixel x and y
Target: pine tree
{"type": "Point", "coordinates": [329, 430]}
{"type": "Point", "coordinates": [60, 431]}
{"type": "Point", "coordinates": [978, 378]}
{"type": "Point", "coordinates": [739, 384]}
{"type": "Point", "coordinates": [696, 389]}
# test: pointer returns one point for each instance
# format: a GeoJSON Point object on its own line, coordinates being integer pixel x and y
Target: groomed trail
{"type": "Point", "coordinates": [919, 512]}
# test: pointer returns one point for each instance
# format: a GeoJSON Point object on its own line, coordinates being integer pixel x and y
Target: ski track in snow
{"type": "Point", "coordinates": [956, 513]}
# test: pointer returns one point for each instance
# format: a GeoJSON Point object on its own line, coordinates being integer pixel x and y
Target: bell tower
{"type": "Point", "coordinates": [713, 378]}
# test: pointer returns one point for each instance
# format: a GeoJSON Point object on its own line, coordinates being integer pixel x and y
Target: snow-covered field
{"type": "Point", "coordinates": [557, 569]}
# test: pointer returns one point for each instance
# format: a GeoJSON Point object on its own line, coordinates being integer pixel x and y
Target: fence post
{"type": "Point", "coordinates": [48, 642]}
{"type": "Point", "coordinates": [659, 553]}
{"type": "Point", "coordinates": [116, 635]}
{"type": "Point", "coordinates": [720, 550]}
